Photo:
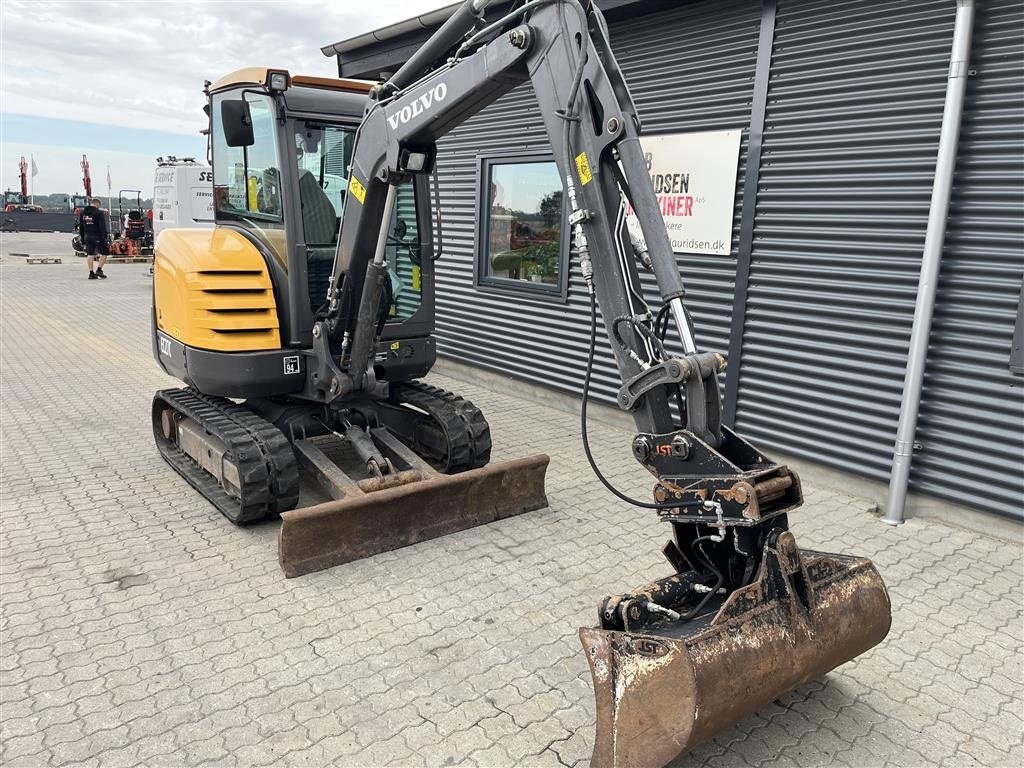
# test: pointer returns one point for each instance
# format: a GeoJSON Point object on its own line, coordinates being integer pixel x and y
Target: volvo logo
{"type": "Point", "coordinates": [418, 107]}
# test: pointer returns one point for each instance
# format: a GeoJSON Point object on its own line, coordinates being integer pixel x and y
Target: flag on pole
{"type": "Point", "coordinates": [108, 177]}
{"type": "Point", "coordinates": [34, 169]}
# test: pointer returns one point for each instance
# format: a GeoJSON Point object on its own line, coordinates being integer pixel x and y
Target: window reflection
{"type": "Point", "coordinates": [523, 232]}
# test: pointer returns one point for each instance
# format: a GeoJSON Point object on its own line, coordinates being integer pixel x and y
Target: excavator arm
{"type": "Point", "coordinates": [745, 614]}
{"type": "Point", "coordinates": [594, 130]}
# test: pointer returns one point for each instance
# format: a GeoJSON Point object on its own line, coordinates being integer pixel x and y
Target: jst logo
{"type": "Point", "coordinates": [663, 450]}
{"type": "Point", "coordinates": [647, 646]}
{"type": "Point", "coordinates": [418, 107]}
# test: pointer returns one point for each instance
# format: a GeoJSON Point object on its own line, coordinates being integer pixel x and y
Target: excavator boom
{"type": "Point", "coordinates": [745, 614]}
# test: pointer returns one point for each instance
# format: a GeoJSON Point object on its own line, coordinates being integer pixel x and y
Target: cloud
{"type": "Point", "coordinates": [142, 64]}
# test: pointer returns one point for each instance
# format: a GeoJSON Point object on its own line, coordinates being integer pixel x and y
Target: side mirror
{"type": "Point", "coordinates": [237, 123]}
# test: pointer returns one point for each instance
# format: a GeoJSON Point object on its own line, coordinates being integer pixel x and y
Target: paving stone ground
{"type": "Point", "coordinates": [139, 627]}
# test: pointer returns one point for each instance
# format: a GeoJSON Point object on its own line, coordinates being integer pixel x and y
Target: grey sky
{"type": "Point", "coordinates": [142, 64]}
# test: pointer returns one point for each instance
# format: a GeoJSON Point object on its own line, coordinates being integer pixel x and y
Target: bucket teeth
{"type": "Point", "coordinates": [659, 694]}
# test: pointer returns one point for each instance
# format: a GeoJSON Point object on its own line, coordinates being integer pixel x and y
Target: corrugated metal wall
{"type": "Point", "coordinates": [971, 427]}
{"type": "Point", "coordinates": [851, 131]}
{"type": "Point", "coordinates": [689, 69]}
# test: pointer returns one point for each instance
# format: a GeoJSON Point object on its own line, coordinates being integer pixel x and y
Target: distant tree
{"type": "Point", "coordinates": [551, 208]}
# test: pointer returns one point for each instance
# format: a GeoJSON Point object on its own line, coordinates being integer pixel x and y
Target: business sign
{"type": "Point", "coordinates": [694, 178]}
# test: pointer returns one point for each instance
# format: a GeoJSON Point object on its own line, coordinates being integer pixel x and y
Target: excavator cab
{"type": "Point", "coordinates": [76, 203]}
{"type": "Point", "coordinates": [280, 169]}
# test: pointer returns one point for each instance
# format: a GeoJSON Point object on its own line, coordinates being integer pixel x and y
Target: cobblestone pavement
{"type": "Point", "coordinates": [140, 628]}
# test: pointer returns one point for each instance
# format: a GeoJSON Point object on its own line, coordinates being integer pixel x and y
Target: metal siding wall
{"type": "Point", "coordinates": [851, 131]}
{"type": "Point", "coordinates": [689, 69]}
{"type": "Point", "coordinates": [971, 426]}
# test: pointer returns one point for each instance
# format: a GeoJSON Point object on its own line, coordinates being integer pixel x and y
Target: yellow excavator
{"type": "Point", "coordinates": [302, 324]}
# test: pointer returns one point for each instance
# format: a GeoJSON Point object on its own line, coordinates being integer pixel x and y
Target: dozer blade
{"type": "Point", "coordinates": [365, 524]}
{"type": "Point", "coordinates": [660, 694]}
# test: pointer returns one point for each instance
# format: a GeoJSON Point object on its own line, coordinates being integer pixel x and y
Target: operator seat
{"type": "Point", "coordinates": [320, 226]}
{"type": "Point", "coordinates": [135, 228]}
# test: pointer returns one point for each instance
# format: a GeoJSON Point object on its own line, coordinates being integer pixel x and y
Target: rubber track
{"type": "Point", "coordinates": [465, 428]}
{"type": "Point", "coordinates": [266, 463]}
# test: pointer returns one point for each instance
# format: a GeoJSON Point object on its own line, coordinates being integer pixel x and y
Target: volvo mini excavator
{"type": "Point", "coordinates": [312, 301]}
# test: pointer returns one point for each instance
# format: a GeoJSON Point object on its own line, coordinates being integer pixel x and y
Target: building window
{"type": "Point", "coordinates": [522, 226]}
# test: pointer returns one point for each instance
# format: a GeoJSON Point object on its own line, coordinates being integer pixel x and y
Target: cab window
{"type": "Point", "coordinates": [323, 154]}
{"type": "Point", "coordinates": [247, 179]}
{"type": "Point", "coordinates": [404, 257]}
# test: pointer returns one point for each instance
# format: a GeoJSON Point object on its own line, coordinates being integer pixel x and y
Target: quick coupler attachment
{"type": "Point", "coordinates": [665, 685]}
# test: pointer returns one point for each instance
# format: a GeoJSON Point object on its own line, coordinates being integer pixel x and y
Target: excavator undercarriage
{"type": "Point", "coordinates": [392, 473]}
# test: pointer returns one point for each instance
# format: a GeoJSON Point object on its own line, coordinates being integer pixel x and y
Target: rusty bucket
{"type": "Point", "coordinates": [368, 519]}
{"type": "Point", "coordinates": [660, 693]}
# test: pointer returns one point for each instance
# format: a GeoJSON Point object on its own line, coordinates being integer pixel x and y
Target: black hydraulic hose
{"type": "Point", "coordinates": [641, 329]}
{"type": "Point", "coordinates": [567, 114]}
{"type": "Point", "coordinates": [661, 321]}
{"type": "Point", "coordinates": [719, 578]}
{"type": "Point", "coordinates": [586, 441]}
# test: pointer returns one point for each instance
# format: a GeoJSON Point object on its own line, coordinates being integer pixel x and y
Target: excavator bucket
{"type": "Point", "coordinates": [377, 515]}
{"type": "Point", "coordinates": [662, 692]}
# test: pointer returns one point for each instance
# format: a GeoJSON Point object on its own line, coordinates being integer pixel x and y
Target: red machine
{"type": "Point", "coordinates": [86, 178]}
{"type": "Point", "coordinates": [15, 201]}
{"type": "Point", "coordinates": [77, 202]}
{"type": "Point", "coordinates": [133, 239]}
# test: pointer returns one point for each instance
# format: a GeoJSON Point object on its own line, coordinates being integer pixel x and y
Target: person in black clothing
{"type": "Point", "coordinates": [92, 228]}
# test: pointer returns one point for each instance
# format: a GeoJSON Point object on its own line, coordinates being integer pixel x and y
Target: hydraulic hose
{"type": "Point", "coordinates": [586, 440]}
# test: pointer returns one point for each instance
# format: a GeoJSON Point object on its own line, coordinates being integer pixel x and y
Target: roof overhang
{"type": "Point", "coordinates": [387, 48]}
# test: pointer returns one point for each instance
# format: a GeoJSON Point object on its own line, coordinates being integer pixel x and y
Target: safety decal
{"type": "Point", "coordinates": [357, 189]}
{"type": "Point", "coordinates": [583, 168]}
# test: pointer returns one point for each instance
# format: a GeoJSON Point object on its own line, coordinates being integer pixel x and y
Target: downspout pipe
{"type": "Point", "coordinates": [935, 236]}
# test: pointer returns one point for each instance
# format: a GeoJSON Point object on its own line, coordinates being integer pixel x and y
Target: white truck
{"type": "Point", "coordinates": [182, 194]}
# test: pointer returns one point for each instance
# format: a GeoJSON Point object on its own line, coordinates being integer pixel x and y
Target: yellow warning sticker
{"type": "Point", "coordinates": [395, 345]}
{"type": "Point", "coordinates": [583, 168]}
{"type": "Point", "coordinates": [416, 278]}
{"type": "Point", "coordinates": [357, 189]}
